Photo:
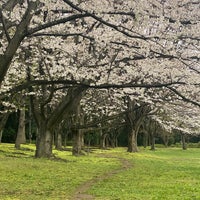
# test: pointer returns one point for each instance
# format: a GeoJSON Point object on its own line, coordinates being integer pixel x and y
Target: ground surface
{"type": "Point", "coordinates": [114, 174]}
{"type": "Point", "coordinates": [80, 193]}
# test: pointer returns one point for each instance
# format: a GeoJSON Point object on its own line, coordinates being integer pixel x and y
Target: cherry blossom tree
{"type": "Point", "coordinates": [53, 51]}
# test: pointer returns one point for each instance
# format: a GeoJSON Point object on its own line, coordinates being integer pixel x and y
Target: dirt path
{"type": "Point", "coordinates": [81, 191]}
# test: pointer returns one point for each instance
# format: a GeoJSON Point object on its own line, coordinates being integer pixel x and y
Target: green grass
{"type": "Point", "coordinates": [162, 174]}
{"type": "Point", "coordinates": [24, 177]}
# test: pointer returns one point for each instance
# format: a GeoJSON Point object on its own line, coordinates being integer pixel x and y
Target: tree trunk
{"type": "Point", "coordinates": [112, 141]}
{"type": "Point", "coordinates": [3, 121]}
{"type": "Point", "coordinates": [82, 138]}
{"type": "Point", "coordinates": [152, 142]}
{"type": "Point", "coordinates": [58, 140]}
{"type": "Point", "coordinates": [1, 132]}
{"type": "Point", "coordinates": [132, 142]}
{"type": "Point", "coordinates": [134, 118]}
{"type": "Point", "coordinates": [47, 122]}
{"type": "Point", "coordinates": [30, 125]}
{"type": "Point", "coordinates": [166, 140]}
{"type": "Point", "coordinates": [77, 142]}
{"type": "Point", "coordinates": [44, 142]}
{"type": "Point", "coordinates": [107, 139]}
{"type": "Point", "coordinates": [103, 141]}
{"type": "Point", "coordinates": [89, 142]}
{"type": "Point", "coordinates": [184, 144]}
{"type": "Point", "coordinates": [21, 135]}
{"type": "Point", "coordinates": [65, 135]}
{"type": "Point", "coordinates": [116, 141]}
{"type": "Point", "coordinates": [145, 139]}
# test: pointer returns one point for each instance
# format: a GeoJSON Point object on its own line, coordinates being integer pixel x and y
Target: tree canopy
{"type": "Point", "coordinates": [147, 50]}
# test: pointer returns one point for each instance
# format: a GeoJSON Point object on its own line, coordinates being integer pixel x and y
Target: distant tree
{"type": "Point", "coordinates": [134, 118]}
{"type": "Point", "coordinates": [21, 134]}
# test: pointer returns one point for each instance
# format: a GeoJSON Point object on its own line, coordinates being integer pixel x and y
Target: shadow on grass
{"type": "Point", "coordinates": [17, 153]}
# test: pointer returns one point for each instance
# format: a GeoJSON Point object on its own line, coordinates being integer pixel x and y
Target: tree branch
{"type": "Point", "coordinates": [56, 22]}
{"type": "Point", "coordinates": [64, 35]}
{"type": "Point", "coordinates": [71, 83]}
{"type": "Point", "coordinates": [115, 27]}
{"type": "Point", "coordinates": [183, 97]}
{"type": "Point", "coordinates": [14, 44]}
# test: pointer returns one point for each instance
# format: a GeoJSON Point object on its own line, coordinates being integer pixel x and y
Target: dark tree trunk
{"type": "Point", "coordinates": [58, 140]}
{"type": "Point", "coordinates": [77, 142]}
{"type": "Point", "coordinates": [134, 118]}
{"type": "Point", "coordinates": [1, 132]}
{"type": "Point", "coordinates": [116, 141]}
{"type": "Point", "coordinates": [184, 143]}
{"type": "Point", "coordinates": [3, 121]}
{"type": "Point", "coordinates": [30, 125]}
{"type": "Point", "coordinates": [132, 142]}
{"type": "Point", "coordinates": [107, 141]}
{"type": "Point", "coordinates": [47, 120]}
{"type": "Point", "coordinates": [103, 143]}
{"type": "Point", "coordinates": [21, 135]}
{"type": "Point", "coordinates": [101, 139]}
{"type": "Point", "coordinates": [65, 135]}
{"type": "Point", "coordinates": [153, 127]}
{"type": "Point", "coordinates": [153, 142]}
{"type": "Point", "coordinates": [89, 142]}
{"type": "Point", "coordinates": [78, 135]}
{"type": "Point", "coordinates": [44, 142]}
{"type": "Point", "coordinates": [145, 139]}
{"type": "Point", "coordinates": [166, 140]}
{"type": "Point", "coordinates": [112, 141]}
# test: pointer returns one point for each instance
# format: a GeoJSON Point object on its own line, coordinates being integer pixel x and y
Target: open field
{"type": "Point", "coordinates": [103, 175]}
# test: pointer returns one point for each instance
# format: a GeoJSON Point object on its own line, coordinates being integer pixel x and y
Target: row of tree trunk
{"type": "Point", "coordinates": [46, 136]}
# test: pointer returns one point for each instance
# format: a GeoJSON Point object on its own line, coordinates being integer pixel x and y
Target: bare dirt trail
{"type": "Point", "coordinates": [81, 191]}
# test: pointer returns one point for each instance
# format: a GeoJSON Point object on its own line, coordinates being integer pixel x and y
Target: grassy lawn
{"type": "Point", "coordinates": [24, 177]}
{"type": "Point", "coordinates": [163, 174]}
{"type": "Point", "coordinates": [169, 173]}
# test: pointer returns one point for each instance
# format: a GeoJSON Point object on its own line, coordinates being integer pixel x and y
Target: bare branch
{"type": "Point", "coordinates": [70, 83]}
{"type": "Point", "coordinates": [120, 29]}
{"type": "Point", "coordinates": [14, 44]}
{"type": "Point", "coordinates": [183, 97]}
{"type": "Point", "coordinates": [64, 35]}
{"type": "Point", "coordinates": [56, 22]}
